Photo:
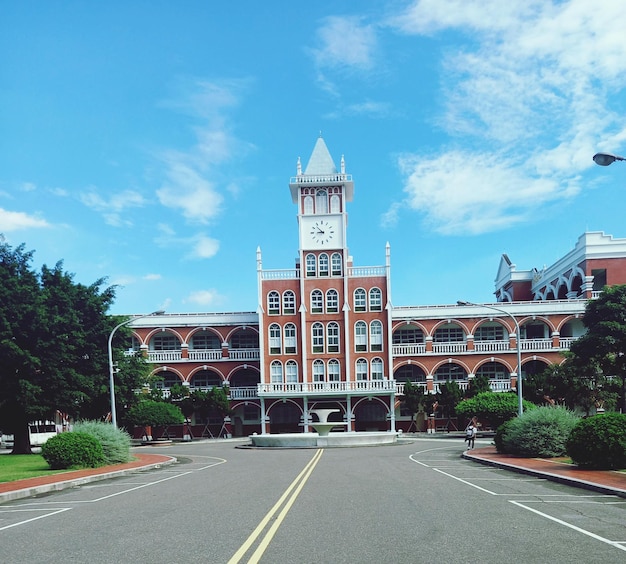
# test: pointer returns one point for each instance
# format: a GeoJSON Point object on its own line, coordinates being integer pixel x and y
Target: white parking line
{"type": "Point", "coordinates": [48, 514]}
{"type": "Point", "coordinates": [616, 544]}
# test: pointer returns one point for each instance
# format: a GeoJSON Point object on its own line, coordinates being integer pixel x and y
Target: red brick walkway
{"type": "Point", "coordinates": [141, 460]}
{"type": "Point", "coordinates": [553, 468]}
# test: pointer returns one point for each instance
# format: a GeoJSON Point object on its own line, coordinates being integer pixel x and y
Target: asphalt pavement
{"type": "Point", "coordinates": [557, 470]}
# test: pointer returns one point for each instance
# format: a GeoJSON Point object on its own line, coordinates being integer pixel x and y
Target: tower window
{"type": "Point", "coordinates": [376, 300]}
{"type": "Point", "coordinates": [289, 302]}
{"type": "Point", "coordinates": [333, 337]}
{"type": "Point", "coordinates": [317, 333]}
{"type": "Point", "coordinates": [323, 264]}
{"type": "Point", "coordinates": [311, 265]}
{"type": "Point", "coordinates": [335, 265]}
{"type": "Point", "coordinates": [332, 301]}
{"type": "Point", "coordinates": [376, 336]}
{"type": "Point", "coordinates": [359, 300]}
{"type": "Point", "coordinates": [317, 301]}
{"type": "Point", "coordinates": [360, 336]}
{"type": "Point", "coordinates": [321, 201]}
{"type": "Point", "coordinates": [273, 303]}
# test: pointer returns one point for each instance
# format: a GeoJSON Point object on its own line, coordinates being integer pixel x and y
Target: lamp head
{"type": "Point", "coordinates": [605, 159]}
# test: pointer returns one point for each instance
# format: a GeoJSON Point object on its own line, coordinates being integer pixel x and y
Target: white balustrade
{"type": "Point", "coordinates": [409, 349]}
{"type": "Point", "coordinates": [536, 344]}
{"type": "Point", "coordinates": [449, 348]}
{"type": "Point", "coordinates": [491, 346]}
{"type": "Point", "coordinates": [202, 355]}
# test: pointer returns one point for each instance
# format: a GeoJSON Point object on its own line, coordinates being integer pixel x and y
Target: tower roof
{"type": "Point", "coordinates": [320, 162]}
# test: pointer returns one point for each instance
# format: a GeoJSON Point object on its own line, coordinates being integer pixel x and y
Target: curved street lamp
{"type": "Point", "coordinates": [520, 405]}
{"type": "Point", "coordinates": [112, 369]}
{"type": "Point", "coordinates": [605, 159]}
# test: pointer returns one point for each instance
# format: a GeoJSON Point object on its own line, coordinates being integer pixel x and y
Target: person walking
{"type": "Point", "coordinates": [470, 434]}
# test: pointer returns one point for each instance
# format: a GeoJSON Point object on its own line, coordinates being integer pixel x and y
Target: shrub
{"type": "Point", "coordinates": [498, 438]}
{"type": "Point", "coordinates": [67, 450]}
{"type": "Point", "coordinates": [541, 432]}
{"type": "Point", "coordinates": [599, 442]}
{"type": "Point", "coordinates": [115, 442]}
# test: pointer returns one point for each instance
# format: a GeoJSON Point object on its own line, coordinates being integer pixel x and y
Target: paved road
{"type": "Point", "coordinates": [417, 502]}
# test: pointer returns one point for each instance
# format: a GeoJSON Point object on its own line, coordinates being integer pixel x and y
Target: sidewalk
{"type": "Point", "coordinates": [604, 481]}
{"type": "Point", "coordinates": [34, 486]}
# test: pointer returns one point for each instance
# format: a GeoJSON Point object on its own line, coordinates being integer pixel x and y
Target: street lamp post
{"type": "Point", "coordinates": [605, 159]}
{"type": "Point", "coordinates": [520, 405]}
{"type": "Point", "coordinates": [112, 369]}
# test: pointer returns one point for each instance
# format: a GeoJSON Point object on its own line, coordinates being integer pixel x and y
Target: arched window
{"type": "Point", "coordinates": [332, 333]}
{"type": "Point", "coordinates": [450, 371]}
{"type": "Point", "coordinates": [360, 336]}
{"type": "Point", "coordinates": [317, 301]}
{"type": "Point", "coordinates": [289, 303]}
{"type": "Point", "coordinates": [490, 331]}
{"type": "Point", "coordinates": [165, 341]}
{"type": "Point", "coordinates": [275, 339]}
{"type": "Point", "coordinates": [493, 371]}
{"type": "Point", "coordinates": [359, 300]}
{"type": "Point", "coordinates": [205, 340]}
{"type": "Point", "coordinates": [317, 337]}
{"type": "Point", "coordinates": [334, 374]}
{"type": "Point", "coordinates": [376, 336]}
{"type": "Point", "coordinates": [361, 369]}
{"type": "Point", "coordinates": [290, 338]}
{"type": "Point", "coordinates": [334, 204]}
{"type": "Point", "coordinates": [308, 205]}
{"type": "Point", "coordinates": [169, 379]}
{"type": "Point", "coordinates": [276, 372]}
{"type": "Point", "coordinates": [273, 303]}
{"type": "Point", "coordinates": [335, 264]}
{"type": "Point", "coordinates": [321, 202]}
{"type": "Point", "coordinates": [332, 301]}
{"type": "Point", "coordinates": [377, 369]}
{"type": "Point", "coordinates": [311, 264]}
{"type": "Point", "coordinates": [323, 264]}
{"type": "Point", "coordinates": [291, 372]}
{"type": "Point", "coordinates": [376, 299]}
{"type": "Point", "coordinates": [318, 371]}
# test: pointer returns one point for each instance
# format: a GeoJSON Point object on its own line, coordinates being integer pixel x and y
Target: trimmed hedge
{"type": "Point", "coordinates": [599, 442]}
{"type": "Point", "coordinates": [115, 442]}
{"type": "Point", "coordinates": [541, 432]}
{"type": "Point", "coordinates": [69, 450]}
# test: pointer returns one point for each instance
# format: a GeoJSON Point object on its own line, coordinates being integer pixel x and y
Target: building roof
{"type": "Point", "coordinates": [320, 162]}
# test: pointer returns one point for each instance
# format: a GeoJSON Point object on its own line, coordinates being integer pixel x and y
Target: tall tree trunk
{"type": "Point", "coordinates": [21, 438]}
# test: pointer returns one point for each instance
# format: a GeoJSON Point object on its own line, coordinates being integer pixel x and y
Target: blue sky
{"type": "Point", "coordinates": [152, 142]}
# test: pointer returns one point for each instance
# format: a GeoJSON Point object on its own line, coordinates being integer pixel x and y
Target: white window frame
{"type": "Point", "coordinates": [276, 372]}
{"type": "Point", "coordinates": [311, 265]}
{"type": "Point", "coordinates": [332, 337]}
{"type": "Point", "coordinates": [290, 338]}
{"type": "Point", "coordinates": [289, 302]}
{"type": "Point", "coordinates": [376, 336]}
{"type": "Point", "coordinates": [360, 372]}
{"type": "Point", "coordinates": [317, 338]}
{"type": "Point", "coordinates": [273, 303]}
{"type": "Point", "coordinates": [376, 368]}
{"type": "Point", "coordinates": [322, 263]}
{"type": "Point", "coordinates": [334, 370]}
{"type": "Point", "coordinates": [332, 301]}
{"type": "Point", "coordinates": [317, 301]}
{"type": "Point", "coordinates": [319, 371]}
{"type": "Point", "coordinates": [375, 299]}
{"type": "Point", "coordinates": [336, 264]}
{"type": "Point", "coordinates": [291, 372]}
{"type": "Point", "coordinates": [360, 336]}
{"type": "Point", "coordinates": [275, 338]}
{"type": "Point", "coordinates": [360, 300]}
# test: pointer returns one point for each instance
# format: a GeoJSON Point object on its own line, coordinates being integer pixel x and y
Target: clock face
{"type": "Point", "coordinates": [323, 232]}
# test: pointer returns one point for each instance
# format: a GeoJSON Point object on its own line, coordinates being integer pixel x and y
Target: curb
{"type": "Point", "coordinates": [599, 488]}
{"type": "Point", "coordinates": [66, 484]}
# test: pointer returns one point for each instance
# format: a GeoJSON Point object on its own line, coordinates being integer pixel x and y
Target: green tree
{"type": "Point", "coordinates": [413, 401]}
{"type": "Point", "coordinates": [492, 407]}
{"type": "Point", "coordinates": [478, 385]}
{"type": "Point", "coordinates": [151, 413]}
{"type": "Point", "coordinates": [53, 343]}
{"type": "Point", "coordinates": [600, 353]}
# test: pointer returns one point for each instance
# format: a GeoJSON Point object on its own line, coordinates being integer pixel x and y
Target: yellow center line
{"type": "Point", "coordinates": [299, 482]}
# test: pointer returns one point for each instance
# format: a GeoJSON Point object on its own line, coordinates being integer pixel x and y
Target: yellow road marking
{"type": "Point", "coordinates": [298, 484]}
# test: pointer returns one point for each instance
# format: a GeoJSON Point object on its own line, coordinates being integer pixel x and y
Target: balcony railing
{"type": "Point", "coordinates": [491, 346]}
{"type": "Point", "coordinates": [208, 355]}
{"type": "Point", "coordinates": [307, 388]}
{"type": "Point", "coordinates": [449, 348]}
{"type": "Point", "coordinates": [495, 385]}
{"type": "Point", "coordinates": [536, 344]}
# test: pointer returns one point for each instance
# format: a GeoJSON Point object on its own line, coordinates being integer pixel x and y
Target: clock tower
{"type": "Point", "coordinates": [321, 193]}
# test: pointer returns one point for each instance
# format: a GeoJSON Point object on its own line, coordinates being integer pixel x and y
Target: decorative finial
{"type": "Point", "coordinates": [299, 167]}
{"type": "Point", "coordinates": [320, 132]}
{"type": "Point", "coordinates": [343, 165]}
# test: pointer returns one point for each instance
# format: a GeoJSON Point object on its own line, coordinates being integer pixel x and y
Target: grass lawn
{"type": "Point", "coordinates": [19, 466]}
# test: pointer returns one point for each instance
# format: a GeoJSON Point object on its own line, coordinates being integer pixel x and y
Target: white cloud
{"type": "Point", "coordinates": [205, 247]}
{"type": "Point", "coordinates": [529, 87]}
{"type": "Point", "coordinates": [113, 207]}
{"type": "Point", "coordinates": [16, 221]}
{"type": "Point", "coordinates": [460, 192]}
{"type": "Point", "coordinates": [152, 277]}
{"type": "Point", "coordinates": [345, 42]}
{"type": "Point", "coordinates": [188, 191]}
{"type": "Point", "coordinates": [204, 298]}
{"type": "Point", "coordinates": [195, 180]}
